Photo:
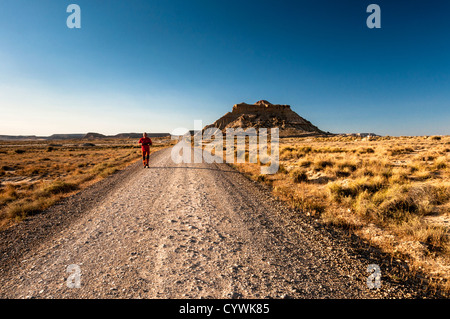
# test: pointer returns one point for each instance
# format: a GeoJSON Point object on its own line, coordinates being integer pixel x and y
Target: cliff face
{"type": "Point", "coordinates": [261, 107]}
{"type": "Point", "coordinates": [263, 114]}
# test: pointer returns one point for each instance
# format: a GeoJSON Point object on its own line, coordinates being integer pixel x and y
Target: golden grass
{"type": "Point", "coordinates": [35, 174]}
{"type": "Point", "coordinates": [391, 186]}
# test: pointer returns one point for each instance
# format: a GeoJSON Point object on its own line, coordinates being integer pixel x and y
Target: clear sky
{"type": "Point", "coordinates": [157, 65]}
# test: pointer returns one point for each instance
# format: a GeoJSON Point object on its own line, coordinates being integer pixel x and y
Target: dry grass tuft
{"type": "Point", "coordinates": [396, 185]}
{"type": "Point", "coordinates": [34, 176]}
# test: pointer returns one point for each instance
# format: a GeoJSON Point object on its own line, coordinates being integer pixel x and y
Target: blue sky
{"type": "Point", "coordinates": [158, 65]}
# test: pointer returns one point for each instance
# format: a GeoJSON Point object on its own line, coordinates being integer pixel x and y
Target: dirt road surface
{"type": "Point", "coordinates": [180, 231]}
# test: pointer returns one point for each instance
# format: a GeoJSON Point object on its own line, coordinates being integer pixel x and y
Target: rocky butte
{"type": "Point", "coordinates": [264, 114]}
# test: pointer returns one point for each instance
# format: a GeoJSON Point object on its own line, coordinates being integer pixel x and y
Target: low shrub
{"type": "Point", "coordinates": [299, 176]}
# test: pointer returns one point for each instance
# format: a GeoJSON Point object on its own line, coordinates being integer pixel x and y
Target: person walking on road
{"type": "Point", "coordinates": [145, 143]}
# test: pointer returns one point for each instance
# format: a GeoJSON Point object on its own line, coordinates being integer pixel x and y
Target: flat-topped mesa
{"type": "Point", "coordinates": [260, 106]}
{"type": "Point", "coordinates": [264, 114]}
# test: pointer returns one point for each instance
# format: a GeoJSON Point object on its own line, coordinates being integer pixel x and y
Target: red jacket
{"type": "Point", "coordinates": [145, 142]}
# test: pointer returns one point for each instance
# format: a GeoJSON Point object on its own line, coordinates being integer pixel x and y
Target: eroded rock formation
{"type": "Point", "coordinates": [263, 114]}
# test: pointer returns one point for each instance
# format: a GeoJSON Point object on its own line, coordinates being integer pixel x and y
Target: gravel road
{"type": "Point", "coordinates": [180, 231]}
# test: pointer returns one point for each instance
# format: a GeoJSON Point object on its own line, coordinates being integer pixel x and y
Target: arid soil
{"type": "Point", "coordinates": [182, 231]}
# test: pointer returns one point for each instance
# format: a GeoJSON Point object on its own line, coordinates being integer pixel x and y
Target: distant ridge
{"type": "Point", "coordinates": [360, 134]}
{"type": "Point", "coordinates": [138, 135]}
{"type": "Point", "coordinates": [123, 135]}
{"type": "Point", "coordinates": [64, 136]}
{"type": "Point", "coordinates": [34, 137]}
{"type": "Point", "coordinates": [19, 137]}
{"type": "Point", "coordinates": [90, 135]}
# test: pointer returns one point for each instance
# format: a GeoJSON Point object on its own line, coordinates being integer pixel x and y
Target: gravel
{"type": "Point", "coordinates": [183, 231]}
